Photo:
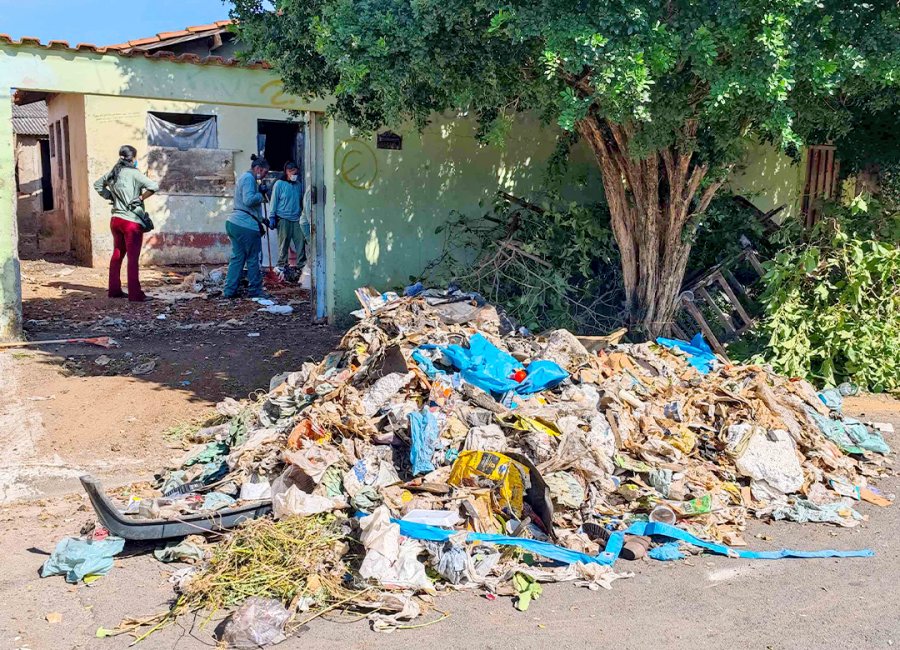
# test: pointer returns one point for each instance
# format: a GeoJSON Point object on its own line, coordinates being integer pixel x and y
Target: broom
{"type": "Point", "coordinates": [102, 341]}
{"type": "Point", "coordinates": [271, 276]}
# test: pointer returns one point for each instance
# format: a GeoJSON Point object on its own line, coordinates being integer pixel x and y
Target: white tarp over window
{"type": "Point", "coordinates": [202, 135]}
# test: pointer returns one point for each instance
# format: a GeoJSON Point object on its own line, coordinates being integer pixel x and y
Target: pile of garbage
{"type": "Point", "coordinates": [457, 451]}
{"type": "Point", "coordinates": [432, 404]}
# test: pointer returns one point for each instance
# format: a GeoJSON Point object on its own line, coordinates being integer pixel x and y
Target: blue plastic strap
{"type": "Point", "coordinates": [672, 532]}
{"type": "Point", "coordinates": [544, 549]}
{"type": "Point", "coordinates": [614, 545]}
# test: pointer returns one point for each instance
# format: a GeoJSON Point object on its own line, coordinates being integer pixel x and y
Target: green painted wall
{"type": "Point", "coordinates": [769, 179]}
{"type": "Point", "coordinates": [388, 203]}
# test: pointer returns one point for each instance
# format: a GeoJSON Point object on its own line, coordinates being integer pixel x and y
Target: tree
{"type": "Point", "coordinates": [665, 92]}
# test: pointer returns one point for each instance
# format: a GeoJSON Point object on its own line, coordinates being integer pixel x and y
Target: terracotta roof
{"type": "Point", "coordinates": [30, 41]}
{"type": "Point", "coordinates": [217, 26]}
{"type": "Point", "coordinates": [30, 119]}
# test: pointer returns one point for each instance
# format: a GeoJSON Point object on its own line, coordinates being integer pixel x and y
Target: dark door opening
{"type": "Point", "coordinates": [46, 180]}
{"type": "Point", "coordinates": [279, 143]}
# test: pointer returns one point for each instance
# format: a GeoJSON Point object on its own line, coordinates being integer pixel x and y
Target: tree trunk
{"type": "Point", "coordinates": [651, 201]}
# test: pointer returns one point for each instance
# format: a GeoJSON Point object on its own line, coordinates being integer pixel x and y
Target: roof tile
{"type": "Point", "coordinates": [144, 41]}
{"type": "Point", "coordinates": [166, 35]}
{"type": "Point", "coordinates": [202, 28]}
{"type": "Point", "coordinates": [123, 51]}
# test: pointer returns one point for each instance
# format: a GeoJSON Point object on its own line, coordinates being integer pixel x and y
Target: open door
{"type": "Point", "coordinates": [314, 169]}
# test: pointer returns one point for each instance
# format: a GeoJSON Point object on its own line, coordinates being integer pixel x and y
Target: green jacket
{"type": "Point", "coordinates": [128, 186]}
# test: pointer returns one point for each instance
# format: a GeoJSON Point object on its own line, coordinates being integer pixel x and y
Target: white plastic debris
{"type": "Point", "coordinates": [442, 518]}
{"type": "Point", "coordinates": [383, 390]}
{"type": "Point", "coordinates": [144, 368]}
{"type": "Point", "coordinates": [294, 501]}
{"type": "Point", "coordinates": [258, 623]}
{"type": "Point", "coordinates": [771, 461]}
{"type": "Point", "coordinates": [281, 310]}
{"type": "Point", "coordinates": [387, 561]}
{"type": "Point", "coordinates": [256, 489]}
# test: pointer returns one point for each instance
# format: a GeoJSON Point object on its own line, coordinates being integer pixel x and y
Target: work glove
{"type": "Point", "coordinates": [263, 188]}
{"type": "Point", "coordinates": [273, 222]}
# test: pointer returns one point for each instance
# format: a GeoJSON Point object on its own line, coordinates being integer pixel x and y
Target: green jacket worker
{"type": "Point", "coordinates": [124, 186]}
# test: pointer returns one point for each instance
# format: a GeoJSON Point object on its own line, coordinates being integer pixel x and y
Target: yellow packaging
{"type": "Point", "coordinates": [683, 439]}
{"type": "Point", "coordinates": [537, 425]}
{"type": "Point", "coordinates": [509, 476]}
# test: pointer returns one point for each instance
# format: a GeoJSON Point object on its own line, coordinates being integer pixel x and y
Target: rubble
{"type": "Point", "coordinates": [462, 444]}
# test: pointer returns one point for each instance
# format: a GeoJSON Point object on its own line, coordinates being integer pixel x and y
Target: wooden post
{"type": "Point", "coordinates": [720, 315]}
{"type": "Point", "coordinates": [735, 282]}
{"type": "Point", "coordinates": [704, 326]}
{"type": "Point", "coordinates": [755, 263]}
{"type": "Point", "coordinates": [738, 307]}
{"type": "Point", "coordinates": [10, 277]}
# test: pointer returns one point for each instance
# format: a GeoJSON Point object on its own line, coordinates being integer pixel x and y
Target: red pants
{"type": "Point", "coordinates": [127, 239]}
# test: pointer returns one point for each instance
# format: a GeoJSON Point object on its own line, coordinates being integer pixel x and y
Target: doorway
{"type": "Point", "coordinates": [302, 142]}
{"type": "Point", "coordinates": [280, 143]}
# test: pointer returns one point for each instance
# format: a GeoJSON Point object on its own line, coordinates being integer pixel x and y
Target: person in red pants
{"type": "Point", "coordinates": [125, 187]}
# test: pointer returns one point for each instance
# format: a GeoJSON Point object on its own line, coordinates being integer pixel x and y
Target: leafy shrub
{"type": "Point", "coordinates": [550, 265]}
{"type": "Point", "coordinates": [577, 284]}
{"type": "Point", "coordinates": [832, 301]}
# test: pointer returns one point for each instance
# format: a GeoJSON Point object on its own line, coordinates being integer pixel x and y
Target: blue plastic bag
{"type": "Point", "coordinates": [76, 558]}
{"type": "Point", "coordinates": [426, 364]}
{"type": "Point", "coordinates": [666, 552]}
{"type": "Point", "coordinates": [541, 376]}
{"type": "Point", "coordinates": [414, 289]}
{"type": "Point", "coordinates": [700, 355]}
{"type": "Point", "coordinates": [423, 428]}
{"type": "Point", "coordinates": [484, 365]}
{"type": "Point", "coordinates": [491, 369]}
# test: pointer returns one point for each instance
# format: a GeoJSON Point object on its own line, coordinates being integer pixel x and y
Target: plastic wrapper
{"type": "Point", "coordinates": [258, 623]}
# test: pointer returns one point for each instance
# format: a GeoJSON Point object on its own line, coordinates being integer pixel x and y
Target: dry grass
{"type": "Point", "coordinates": [289, 560]}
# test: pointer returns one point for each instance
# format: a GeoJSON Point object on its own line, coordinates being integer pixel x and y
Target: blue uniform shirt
{"type": "Point", "coordinates": [246, 199]}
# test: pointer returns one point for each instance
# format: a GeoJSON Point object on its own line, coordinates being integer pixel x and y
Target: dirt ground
{"type": "Point", "coordinates": [69, 415]}
{"type": "Point", "coordinates": [63, 414]}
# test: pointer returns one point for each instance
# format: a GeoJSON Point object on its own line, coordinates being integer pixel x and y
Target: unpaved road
{"type": "Point", "coordinates": [61, 414]}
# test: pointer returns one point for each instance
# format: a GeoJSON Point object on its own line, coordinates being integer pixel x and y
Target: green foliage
{"type": "Point", "coordinates": [889, 181]}
{"type": "Point", "coordinates": [833, 301]}
{"type": "Point", "coordinates": [717, 234]}
{"type": "Point", "coordinates": [781, 71]}
{"type": "Point", "coordinates": [581, 288]}
{"type": "Point", "coordinates": [869, 135]}
{"type": "Point", "coordinates": [562, 269]}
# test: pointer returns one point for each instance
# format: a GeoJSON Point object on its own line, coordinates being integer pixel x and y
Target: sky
{"type": "Point", "coordinates": [104, 22]}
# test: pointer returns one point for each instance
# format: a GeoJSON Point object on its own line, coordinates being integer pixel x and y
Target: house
{"type": "Point", "coordinates": [34, 191]}
{"type": "Point", "coordinates": [376, 200]}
